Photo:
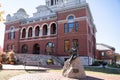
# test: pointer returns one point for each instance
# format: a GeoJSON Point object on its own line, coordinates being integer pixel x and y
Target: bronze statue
{"type": "Point", "coordinates": [73, 67]}
{"type": "Point", "coordinates": [73, 54]}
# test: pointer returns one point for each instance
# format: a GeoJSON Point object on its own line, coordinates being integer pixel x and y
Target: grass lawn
{"type": "Point", "coordinates": [103, 70]}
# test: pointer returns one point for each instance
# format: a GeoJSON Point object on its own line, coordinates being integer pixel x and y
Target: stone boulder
{"type": "Point", "coordinates": [74, 70]}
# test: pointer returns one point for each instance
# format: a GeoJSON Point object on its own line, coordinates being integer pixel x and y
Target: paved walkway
{"type": "Point", "coordinates": [21, 67]}
{"type": "Point", "coordinates": [41, 76]}
{"type": "Point", "coordinates": [50, 76]}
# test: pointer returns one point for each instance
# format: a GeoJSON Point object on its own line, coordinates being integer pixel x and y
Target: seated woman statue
{"type": "Point", "coordinates": [73, 54]}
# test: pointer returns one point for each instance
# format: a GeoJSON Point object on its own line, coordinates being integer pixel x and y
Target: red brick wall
{"type": "Point", "coordinates": [81, 35]}
{"type": "Point", "coordinates": [105, 57]}
{"type": "Point", "coordinates": [42, 44]}
{"type": "Point", "coordinates": [14, 41]}
{"type": "Point", "coordinates": [78, 13]}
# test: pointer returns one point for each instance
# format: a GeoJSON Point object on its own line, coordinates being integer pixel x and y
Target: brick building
{"type": "Point", "coordinates": [105, 52]}
{"type": "Point", "coordinates": [53, 30]}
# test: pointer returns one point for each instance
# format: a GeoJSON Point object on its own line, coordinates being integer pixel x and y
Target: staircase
{"type": "Point", "coordinates": [29, 58]}
{"type": "Point", "coordinates": [58, 60]}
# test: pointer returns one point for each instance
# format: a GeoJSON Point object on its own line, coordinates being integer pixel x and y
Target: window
{"type": "Point", "coordinates": [65, 28]}
{"type": "Point", "coordinates": [24, 48]}
{"type": "Point", "coordinates": [70, 27]}
{"type": "Point", "coordinates": [102, 54]}
{"type": "Point", "coordinates": [70, 18]}
{"type": "Point", "coordinates": [37, 30]}
{"type": "Point", "coordinates": [49, 48]}
{"type": "Point", "coordinates": [23, 33]}
{"type": "Point", "coordinates": [70, 23]}
{"type": "Point", "coordinates": [66, 45]}
{"type": "Point", "coordinates": [45, 30]}
{"type": "Point", "coordinates": [11, 34]}
{"type": "Point", "coordinates": [76, 26]}
{"type": "Point", "coordinates": [30, 32]}
{"type": "Point", "coordinates": [53, 29]}
{"type": "Point", "coordinates": [75, 43]}
{"type": "Point", "coordinates": [51, 2]}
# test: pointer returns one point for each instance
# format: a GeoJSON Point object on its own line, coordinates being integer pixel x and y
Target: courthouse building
{"type": "Point", "coordinates": [53, 30]}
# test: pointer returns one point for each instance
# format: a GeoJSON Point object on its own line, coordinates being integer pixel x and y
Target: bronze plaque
{"type": "Point", "coordinates": [75, 70]}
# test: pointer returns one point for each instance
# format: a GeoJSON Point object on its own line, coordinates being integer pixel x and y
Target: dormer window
{"type": "Point", "coordinates": [51, 2]}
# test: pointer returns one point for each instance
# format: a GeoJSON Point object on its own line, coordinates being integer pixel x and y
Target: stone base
{"type": "Point", "coordinates": [74, 70]}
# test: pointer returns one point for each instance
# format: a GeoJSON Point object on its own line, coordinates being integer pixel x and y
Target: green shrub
{"type": "Point", "coordinates": [114, 66]}
{"type": "Point", "coordinates": [97, 63]}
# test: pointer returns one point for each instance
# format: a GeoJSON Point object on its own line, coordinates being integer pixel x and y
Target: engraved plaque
{"type": "Point", "coordinates": [75, 70]}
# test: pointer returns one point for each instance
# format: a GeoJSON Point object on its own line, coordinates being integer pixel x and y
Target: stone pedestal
{"type": "Point", "coordinates": [74, 70]}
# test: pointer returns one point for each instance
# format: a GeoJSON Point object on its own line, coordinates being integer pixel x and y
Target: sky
{"type": "Point", "coordinates": [106, 15]}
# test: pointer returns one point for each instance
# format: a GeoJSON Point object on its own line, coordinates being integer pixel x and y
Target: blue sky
{"type": "Point", "coordinates": [106, 15]}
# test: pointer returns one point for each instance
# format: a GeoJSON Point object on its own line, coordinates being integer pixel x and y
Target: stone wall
{"type": "Point", "coordinates": [33, 59]}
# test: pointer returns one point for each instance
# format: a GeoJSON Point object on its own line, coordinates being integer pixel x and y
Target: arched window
{"type": "Point", "coordinates": [11, 34]}
{"type": "Point", "coordinates": [53, 29]}
{"type": "Point", "coordinates": [36, 49]}
{"type": "Point", "coordinates": [24, 33]}
{"type": "Point", "coordinates": [24, 48]}
{"type": "Point", "coordinates": [37, 30]}
{"type": "Point", "coordinates": [70, 18]}
{"type": "Point", "coordinates": [49, 48]}
{"type": "Point", "coordinates": [30, 32]}
{"type": "Point", "coordinates": [45, 30]}
{"type": "Point", "coordinates": [70, 23]}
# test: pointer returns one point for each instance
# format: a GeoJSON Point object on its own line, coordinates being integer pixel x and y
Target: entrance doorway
{"type": "Point", "coordinates": [36, 49]}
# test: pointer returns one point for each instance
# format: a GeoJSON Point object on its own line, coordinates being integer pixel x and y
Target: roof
{"type": "Point", "coordinates": [101, 46]}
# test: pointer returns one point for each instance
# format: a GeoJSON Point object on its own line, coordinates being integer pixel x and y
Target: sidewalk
{"type": "Point", "coordinates": [21, 67]}
{"type": "Point", "coordinates": [41, 76]}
